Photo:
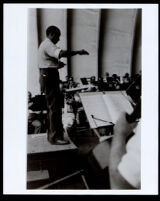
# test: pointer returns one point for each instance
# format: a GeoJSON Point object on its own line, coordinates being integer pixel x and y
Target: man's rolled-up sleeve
{"type": "Point", "coordinates": [53, 51]}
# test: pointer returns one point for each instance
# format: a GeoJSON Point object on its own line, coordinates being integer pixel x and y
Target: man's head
{"type": "Point", "coordinates": [53, 33]}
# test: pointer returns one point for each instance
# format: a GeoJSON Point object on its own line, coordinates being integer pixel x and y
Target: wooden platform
{"type": "Point", "coordinates": [33, 176]}
{"type": "Point", "coordinates": [41, 155]}
{"type": "Point", "coordinates": [38, 143]}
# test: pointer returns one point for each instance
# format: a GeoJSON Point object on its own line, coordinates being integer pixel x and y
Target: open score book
{"type": "Point", "coordinates": [104, 108]}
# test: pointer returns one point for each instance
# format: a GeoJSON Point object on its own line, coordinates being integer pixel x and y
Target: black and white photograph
{"type": "Point", "coordinates": [85, 101]}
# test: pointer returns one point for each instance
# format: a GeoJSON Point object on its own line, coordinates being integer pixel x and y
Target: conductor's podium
{"type": "Point", "coordinates": [58, 160]}
{"type": "Point", "coordinates": [38, 144]}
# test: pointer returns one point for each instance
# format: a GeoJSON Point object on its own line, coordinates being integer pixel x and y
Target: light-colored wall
{"type": "Point", "coordinates": [32, 70]}
{"type": "Point", "coordinates": [117, 41]}
{"type": "Point", "coordinates": [136, 63]}
{"type": "Point", "coordinates": [85, 35]}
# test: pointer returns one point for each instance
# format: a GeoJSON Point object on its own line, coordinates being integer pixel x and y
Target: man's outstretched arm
{"type": "Point", "coordinates": [66, 53]}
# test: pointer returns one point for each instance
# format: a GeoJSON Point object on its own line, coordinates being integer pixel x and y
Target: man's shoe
{"type": "Point", "coordinates": [59, 142]}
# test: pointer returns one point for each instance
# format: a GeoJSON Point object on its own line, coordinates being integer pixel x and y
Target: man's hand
{"type": "Point", "coordinates": [122, 127]}
{"type": "Point", "coordinates": [83, 52]}
{"type": "Point", "coordinates": [61, 64]}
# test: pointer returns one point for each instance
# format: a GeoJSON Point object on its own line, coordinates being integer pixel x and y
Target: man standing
{"type": "Point", "coordinates": [49, 62]}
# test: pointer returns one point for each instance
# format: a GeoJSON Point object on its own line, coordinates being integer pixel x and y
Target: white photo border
{"type": "Point", "coordinates": [15, 99]}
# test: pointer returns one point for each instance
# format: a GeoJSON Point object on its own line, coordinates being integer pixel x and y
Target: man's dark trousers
{"type": "Point", "coordinates": [49, 82]}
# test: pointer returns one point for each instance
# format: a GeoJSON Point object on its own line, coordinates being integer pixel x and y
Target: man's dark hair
{"type": "Point", "coordinates": [53, 30]}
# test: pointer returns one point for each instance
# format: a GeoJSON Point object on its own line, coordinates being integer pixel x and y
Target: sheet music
{"type": "Point", "coordinates": [116, 103]}
{"type": "Point", "coordinates": [93, 104]}
{"type": "Point", "coordinates": [105, 107]}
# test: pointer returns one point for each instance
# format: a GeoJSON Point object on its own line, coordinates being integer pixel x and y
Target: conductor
{"type": "Point", "coordinates": [49, 55]}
